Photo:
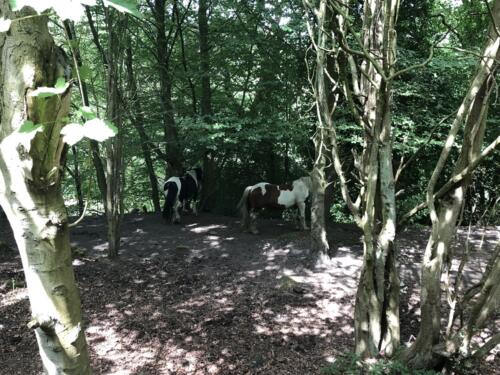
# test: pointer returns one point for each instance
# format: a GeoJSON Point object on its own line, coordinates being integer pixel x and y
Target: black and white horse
{"type": "Point", "coordinates": [265, 195]}
{"type": "Point", "coordinates": [179, 191]}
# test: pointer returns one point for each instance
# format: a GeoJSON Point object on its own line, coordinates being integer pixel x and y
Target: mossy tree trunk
{"type": "Point", "coordinates": [30, 189]}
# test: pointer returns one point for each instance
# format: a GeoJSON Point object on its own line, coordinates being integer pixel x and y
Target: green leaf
{"type": "Point", "coordinates": [87, 113]}
{"type": "Point", "coordinates": [99, 130]}
{"type": "Point", "coordinates": [4, 25]}
{"type": "Point", "coordinates": [60, 84]}
{"type": "Point", "coordinates": [43, 92]}
{"type": "Point", "coordinates": [85, 72]}
{"type": "Point", "coordinates": [29, 127]}
{"type": "Point", "coordinates": [124, 6]}
{"type": "Point", "coordinates": [72, 133]}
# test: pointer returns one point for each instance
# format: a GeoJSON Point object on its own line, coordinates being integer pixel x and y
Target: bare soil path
{"type": "Point", "coordinates": [205, 298]}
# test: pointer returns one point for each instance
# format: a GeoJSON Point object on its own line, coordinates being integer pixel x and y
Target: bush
{"type": "Point", "coordinates": [351, 364]}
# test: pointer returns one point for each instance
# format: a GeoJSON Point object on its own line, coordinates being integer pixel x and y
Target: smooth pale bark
{"type": "Point", "coordinates": [138, 120]}
{"type": "Point", "coordinates": [473, 111]}
{"type": "Point", "coordinates": [30, 190]}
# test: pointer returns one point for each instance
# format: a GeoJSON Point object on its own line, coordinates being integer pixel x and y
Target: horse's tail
{"type": "Point", "coordinates": [243, 203]}
{"type": "Point", "coordinates": [170, 191]}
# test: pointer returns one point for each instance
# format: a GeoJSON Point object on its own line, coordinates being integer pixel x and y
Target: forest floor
{"type": "Point", "coordinates": [205, 298]}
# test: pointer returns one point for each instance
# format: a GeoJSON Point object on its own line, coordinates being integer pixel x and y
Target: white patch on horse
{"type": "Point", "coordinates": [262, 186]}
{"type": "Point", "coordinates": [193, 175]}
{"type": "Point", "coordinates": [301, 188]}
{"type": "Point", "coordinates": [286, 198]}
{"type": "Point", "coordinates": [177, 181]}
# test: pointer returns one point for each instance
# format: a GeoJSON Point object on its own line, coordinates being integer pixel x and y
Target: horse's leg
{"type": "Point", "coordinates": [165, 210]}
{"type": "Point", "coordinates": [195, 204]}
{"type": "Point", "coordinates": [244, 219]}
{"type": "Point", "coordinates": [253, 218]}
{"type": "Point", "coordinates": [176, 218]}
{"type": "Point", "coordinates": [302, 212]}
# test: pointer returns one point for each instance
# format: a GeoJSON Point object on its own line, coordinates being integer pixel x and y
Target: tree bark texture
{"type": "Point", "coordinates": [173, 152]}
{"type": "Point", "coordinates": [324, 108]}
{"type": "Point", "coordinates": [94, 145]}
{"type": "Point", "coordinates": [206, 92]}
{"type": "Point", "coordinates": [78, 180]}
{"type": "Point", "coordinates": [30, 189]}
{"type": "Point", "coordinates": [209, 164]}
{"type": "Point", "coordinates": [472, 112]}
{"type": "Point", "coordinates": [367, 87]}
{"type": "Point", "coordinates": [115, 23]}
{"type": "Point", "coordinates": [377, 300]}
{"type": "Point", "coordinates": [138, 121]}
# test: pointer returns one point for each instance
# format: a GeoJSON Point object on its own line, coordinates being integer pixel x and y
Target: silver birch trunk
{"type": "Point", "coordinates": [30, 190]}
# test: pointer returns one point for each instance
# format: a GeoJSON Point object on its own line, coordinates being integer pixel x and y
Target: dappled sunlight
{"type": "Point", "coordinates": [185, 300]}
{"type": "Point", "coordinates": [206, 229]}
{"type": "Point", "coordinates": [14, 297]}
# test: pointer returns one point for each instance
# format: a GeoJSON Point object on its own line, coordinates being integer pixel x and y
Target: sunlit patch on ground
{"type": "Point", "coordinates": [204, 298]}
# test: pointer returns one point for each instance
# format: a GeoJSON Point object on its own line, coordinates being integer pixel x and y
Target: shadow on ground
{"type": "Point", "coordinates": [204, 298]}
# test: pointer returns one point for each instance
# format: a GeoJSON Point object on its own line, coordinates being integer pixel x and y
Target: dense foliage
{"type": "Point", "coordinates": [262, 116]}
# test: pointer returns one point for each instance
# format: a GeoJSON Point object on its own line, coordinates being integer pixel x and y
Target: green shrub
{"type": "Point", "coordinates": [351, 364]}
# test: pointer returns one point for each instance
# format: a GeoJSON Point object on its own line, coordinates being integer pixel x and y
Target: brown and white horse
{"type": "Point", "coordinates": [265, 195]}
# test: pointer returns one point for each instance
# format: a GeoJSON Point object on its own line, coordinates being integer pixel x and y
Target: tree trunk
{"type": "Point", "coordinates": [115, 23]}
{"type": "Point", "coordinates": [138, 121]}
{"type": "Point", "coordinates": [78, 181]}
{"type": "Point", "coordinates": [324, 106]}
{"type": "Point", "coordinates": [206, 92]}
{"type": "Point", "coordinates": [473, 111]}
{"type": "Point", "coordinates": [94, 145]}
{"type": "Point", "coordinates": [319, 240]}
{"type": "Point", "coordinates": [377, 300]}
{"type": "Point", "coordinates": [209, 165]}
{"type": "Point", "coordinates": [30, 190]}
{"type": "Point", "coordinates": [173, 151]}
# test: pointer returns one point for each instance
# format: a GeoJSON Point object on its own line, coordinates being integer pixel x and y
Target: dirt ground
{"type": "Point", "coordinates": [205, 298]}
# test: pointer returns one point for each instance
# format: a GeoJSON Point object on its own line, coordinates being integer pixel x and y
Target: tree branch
{"type": "Point", "coordinates": [454, 180]}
